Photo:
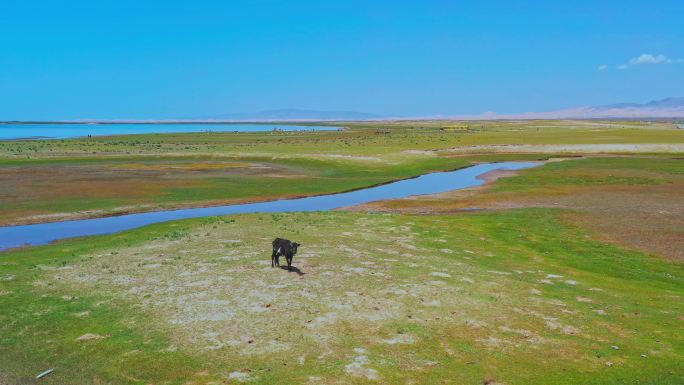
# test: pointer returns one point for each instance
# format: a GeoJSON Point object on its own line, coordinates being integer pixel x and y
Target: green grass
{"type": "Point", "coordinates": [489, 322]}
{"type": "Point", "coordinates": [595, 172]}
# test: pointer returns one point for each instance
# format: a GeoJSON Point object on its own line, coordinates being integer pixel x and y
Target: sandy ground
{"type": "Point", "coordinates": [574, 148]}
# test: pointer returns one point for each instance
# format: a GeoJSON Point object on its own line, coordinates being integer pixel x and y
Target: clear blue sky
{"type": "Point", "coordinates": [168, 59]}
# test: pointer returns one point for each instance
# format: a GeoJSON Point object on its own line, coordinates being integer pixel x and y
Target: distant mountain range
{"type": "Point", "coordinates": [668, 108]}
{"type": "Point", "coordinates": [292, 114]}
{"type": "Point", "coordinates": [663, 108]}
{"type": "Point", "coordinates": [662, 103]}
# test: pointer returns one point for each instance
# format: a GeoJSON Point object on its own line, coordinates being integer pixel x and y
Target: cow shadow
{"type": "Point", "coordinates": [294, 270]}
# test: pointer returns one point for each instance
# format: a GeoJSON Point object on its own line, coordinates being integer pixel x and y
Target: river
{"type": "Point", "coordinates": [437, 182]}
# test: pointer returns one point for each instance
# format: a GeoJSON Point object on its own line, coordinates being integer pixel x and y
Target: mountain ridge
{"type": "Point", "coordinates": [294, 114]}
{"type": "Point", "coordinates": [667, 108]}
{"type": "Point", "coordinates": [671, 107]}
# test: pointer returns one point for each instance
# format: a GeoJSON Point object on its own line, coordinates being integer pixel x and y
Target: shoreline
{"type": "Point", "coordinates": [489, 179]}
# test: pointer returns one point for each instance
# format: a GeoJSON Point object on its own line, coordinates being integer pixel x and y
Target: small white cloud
{"type": "Point", "coordinates": [643, 59]}
{"type": "Point", "coordinates": [647, 58]}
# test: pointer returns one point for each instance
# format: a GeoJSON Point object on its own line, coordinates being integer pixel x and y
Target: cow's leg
{"type": "Point", "coordinates": [289, 262]}
{"type": "Point", "coordinates": [273, 257]}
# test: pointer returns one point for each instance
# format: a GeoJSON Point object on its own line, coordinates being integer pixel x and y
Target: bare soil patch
{"type": "Point", "coordinates": [214, 292]}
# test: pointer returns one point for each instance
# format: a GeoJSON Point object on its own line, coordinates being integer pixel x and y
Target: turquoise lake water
{"type": "Point", "coordinates": [62, 131]}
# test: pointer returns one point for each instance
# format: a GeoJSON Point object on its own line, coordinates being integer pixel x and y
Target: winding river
{"type": "Point", "coordinates": [44, 233]}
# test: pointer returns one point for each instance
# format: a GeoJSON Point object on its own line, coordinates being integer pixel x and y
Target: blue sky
{"type": "Point", "coordinates": [175, 59]}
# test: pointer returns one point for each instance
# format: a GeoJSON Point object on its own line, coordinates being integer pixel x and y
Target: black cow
{"type": "Point", "coordinates": [286, 248]}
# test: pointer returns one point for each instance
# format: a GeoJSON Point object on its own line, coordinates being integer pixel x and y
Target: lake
{"type": "Point", "coordinates": [12, 131]}
{"type": "Point", "coordinates": [44, 233]}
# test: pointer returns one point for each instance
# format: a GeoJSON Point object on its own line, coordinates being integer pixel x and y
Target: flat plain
{"type": "Point", "coordinates": [563, 274]}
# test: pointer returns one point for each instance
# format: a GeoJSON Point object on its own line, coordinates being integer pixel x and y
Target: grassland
{"type": "Point", "coordinates": [52, 180]}
{"type": "Point", "coordinates": [516, 297]}
{"type": "Point", "coordinates": [569, 274]}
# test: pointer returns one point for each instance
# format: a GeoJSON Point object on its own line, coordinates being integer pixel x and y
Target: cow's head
{"type": "Point", "coordinates": [294, 248]}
